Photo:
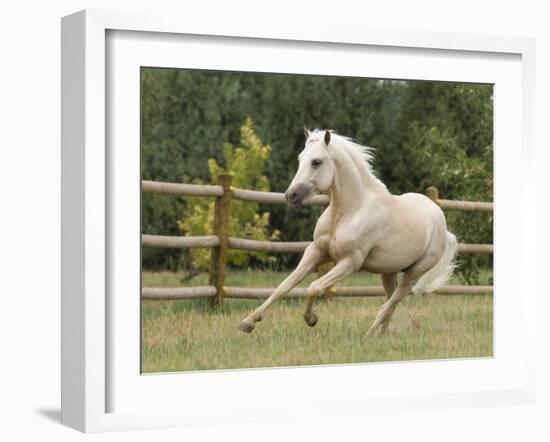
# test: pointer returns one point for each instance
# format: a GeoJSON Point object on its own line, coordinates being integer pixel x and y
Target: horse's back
{"type": "Point", "coordinates": [419, 207]}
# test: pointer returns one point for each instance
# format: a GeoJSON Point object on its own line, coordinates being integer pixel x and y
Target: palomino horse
{"type": "Point", "coordinates": [364, 227]}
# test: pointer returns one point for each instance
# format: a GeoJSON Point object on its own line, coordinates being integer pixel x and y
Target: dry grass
{"type": "Point", "coordinates": [186, 335]}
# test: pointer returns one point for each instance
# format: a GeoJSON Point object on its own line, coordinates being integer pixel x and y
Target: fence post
{"type": "Point", "coordinates": [222, 213]}
{"type": "Point", "coordinates": [433, 194]}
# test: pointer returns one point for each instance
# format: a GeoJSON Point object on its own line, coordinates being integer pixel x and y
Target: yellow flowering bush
{"type": "Point", "coordinates": [245, 163]}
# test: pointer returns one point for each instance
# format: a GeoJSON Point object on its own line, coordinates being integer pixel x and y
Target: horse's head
{"type": "Point", "coordinates": [315, 169]}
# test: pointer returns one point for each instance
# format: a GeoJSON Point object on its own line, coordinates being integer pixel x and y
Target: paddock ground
{"type": "Point", "coordinates": [187, 335]}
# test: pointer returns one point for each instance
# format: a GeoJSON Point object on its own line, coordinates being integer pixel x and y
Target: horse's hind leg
{"type": "Point", "coordinates": [389, 282]}
{"type": "Point", "coordinates": [386, 310]}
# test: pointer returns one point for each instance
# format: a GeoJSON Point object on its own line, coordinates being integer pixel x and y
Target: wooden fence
{"type": "Point", "coordinates": [220, 242]}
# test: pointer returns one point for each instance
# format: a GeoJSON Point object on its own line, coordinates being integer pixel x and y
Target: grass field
{"type": "Point", "coordinates": [187, 335]}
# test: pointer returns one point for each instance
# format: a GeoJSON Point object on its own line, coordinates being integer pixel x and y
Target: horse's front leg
{"type": "Point", "coordinates": [313, 256]}
{"type": "Point", "coordinates": [343, 268]}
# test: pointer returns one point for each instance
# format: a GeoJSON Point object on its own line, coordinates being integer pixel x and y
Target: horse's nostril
{"type": "Point", "coordinates": [291, 196]}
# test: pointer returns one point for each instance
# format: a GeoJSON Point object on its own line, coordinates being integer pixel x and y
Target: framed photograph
{"type": "Point", "coordinates": [252, 213]}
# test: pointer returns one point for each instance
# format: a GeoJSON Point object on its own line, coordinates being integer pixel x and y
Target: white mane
{"type": "Point", "coordinates": [357, 151]}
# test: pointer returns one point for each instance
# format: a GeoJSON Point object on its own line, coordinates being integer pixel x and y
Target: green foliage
{"type": "Point", "coordinates": [450, 147]}
{"type": "Point", "coordinates": [245, 164]}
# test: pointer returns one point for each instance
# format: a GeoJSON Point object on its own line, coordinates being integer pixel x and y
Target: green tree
{"type": "Point", "coordinates": [245, 163]}
{"type": "Point", "coordinates": [449, 145]}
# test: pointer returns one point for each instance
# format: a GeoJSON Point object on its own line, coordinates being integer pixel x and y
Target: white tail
{"type": "Point", "coordinates": [439, 274]}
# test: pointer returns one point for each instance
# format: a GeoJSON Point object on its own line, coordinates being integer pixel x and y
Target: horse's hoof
{"type": "Point", "coordinates": [311, 319]}
{"type": "Point", "coordinates": [246, 327]}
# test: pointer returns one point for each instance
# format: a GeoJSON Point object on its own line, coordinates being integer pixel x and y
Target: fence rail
{"type": "Point", "coordinates": [252, 245]}
{"type": "Point", "coordinates": [219, 242]}
{"type": "Point", "coordinates": [182, 293]}
{"type": "Point", "coordinates": [274, 197]}
{"type": "Point", "coordinates": [181, 189]}
{"type": "Point", "coordinates": [475, 248]}
{"type": "Point", "coordinates": [207, 291]}
{"type": "Point", "coordinates": [180, 242]}
{"type": "Point", "coordinates": [267, 246]}
{"type": "Point", "coordinates": [465, 206]}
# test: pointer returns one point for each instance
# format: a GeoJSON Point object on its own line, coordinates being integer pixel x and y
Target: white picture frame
{"type": "Point", "coordinates": [86, 315]}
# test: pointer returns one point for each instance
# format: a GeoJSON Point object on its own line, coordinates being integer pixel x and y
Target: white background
{"type": "Point", "coordinates": [30, 217]}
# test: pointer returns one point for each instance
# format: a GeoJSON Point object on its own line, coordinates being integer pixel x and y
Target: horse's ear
{"type": "Point", "coordinates": [327, 137]}
{"type": "Point", "coordinates": [307, 133]}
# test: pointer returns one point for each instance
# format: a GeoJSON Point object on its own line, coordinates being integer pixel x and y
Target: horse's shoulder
{"type": "Point", "coordinates": [322, 231]}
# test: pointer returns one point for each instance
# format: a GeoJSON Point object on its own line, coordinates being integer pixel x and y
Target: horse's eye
{"type": "Point", "coordinates": [316, 163]}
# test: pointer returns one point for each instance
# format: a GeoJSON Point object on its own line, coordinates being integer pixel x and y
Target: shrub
{"type": "Point", "coordinates": [245, 163]}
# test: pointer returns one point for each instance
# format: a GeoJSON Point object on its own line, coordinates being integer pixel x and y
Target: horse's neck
{"type": "Point", "coordinates": [354, 185]}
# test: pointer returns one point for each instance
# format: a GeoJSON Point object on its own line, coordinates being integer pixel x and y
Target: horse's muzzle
{"type": "Point", "coordinates": [295, 195]}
